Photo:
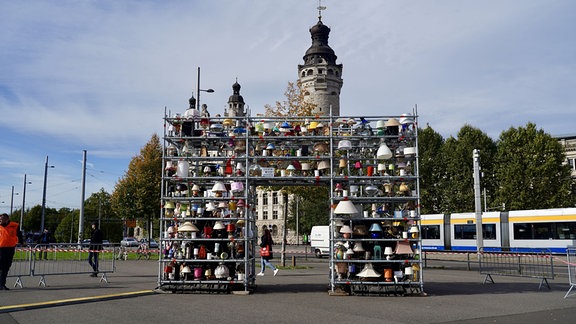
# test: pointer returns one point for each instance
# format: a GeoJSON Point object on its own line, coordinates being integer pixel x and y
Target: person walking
{"type": "Point", "coordinates": [10, 236]}
{"type": "Point", "coordinates": [96, 241]}
{"type": "Point", "coordinates": [265, 257]}
{"type": "Point", "coordinates": [44, 241]}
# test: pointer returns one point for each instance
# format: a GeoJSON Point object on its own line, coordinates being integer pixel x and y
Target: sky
{"type": "Point", "coordinates": [99, 76]}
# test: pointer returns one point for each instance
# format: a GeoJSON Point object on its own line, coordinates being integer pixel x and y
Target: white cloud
{"type": "Point", "coordinates": [97, 75]}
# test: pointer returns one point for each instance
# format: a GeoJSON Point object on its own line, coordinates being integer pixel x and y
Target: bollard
{"type": "Point", "coordinates": [293, 261]}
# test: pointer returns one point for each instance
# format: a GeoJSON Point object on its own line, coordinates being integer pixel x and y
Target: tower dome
{"type": "Point", "coordinates": [320, 77]}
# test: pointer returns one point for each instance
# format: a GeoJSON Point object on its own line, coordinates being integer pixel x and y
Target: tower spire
{"type": "Point", "coordinates": [320, 8]}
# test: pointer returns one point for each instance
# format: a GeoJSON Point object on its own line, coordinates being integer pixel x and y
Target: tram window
{"type": "Point", "coordinates": [468, 232]}
{"type": "Point", "coordinates": [489, 231]}
{"type": "Point", "coordinates": [566, 230]}
{"type": "Point", "coordinates": [535, 231]}
{"type": "Point", "coordinates": [431, 232]}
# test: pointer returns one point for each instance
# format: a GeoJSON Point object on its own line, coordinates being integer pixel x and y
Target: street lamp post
{"type": "Point", "coordinates": [12, 201]}
{"type": "Point", "coordinates": [198, 91]}
{"type": "Point", "coordinates": [46, 166]}
{"type": "Point", "coordinates": [23, 203]}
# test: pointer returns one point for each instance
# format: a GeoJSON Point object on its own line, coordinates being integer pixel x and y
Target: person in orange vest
{"type": "Point", "coordinates": [10, 236]}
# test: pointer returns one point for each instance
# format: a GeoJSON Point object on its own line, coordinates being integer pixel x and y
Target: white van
{"type": "Point", "coordinates": [320, 240]}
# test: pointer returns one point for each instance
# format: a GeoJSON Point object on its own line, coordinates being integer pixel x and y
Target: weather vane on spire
{"type": "Point", "coordinates": [320, 8]}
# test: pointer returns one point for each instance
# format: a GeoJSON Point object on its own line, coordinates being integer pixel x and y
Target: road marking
{"type": "Point", "coordinates": [70, 301]}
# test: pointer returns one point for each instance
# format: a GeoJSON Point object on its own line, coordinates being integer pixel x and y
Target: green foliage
{"type": "Point", "coordinates": [431, 170]}
{"type": "Point", "coordinates": [293, 105]}
{"type": "Point", "coordinates": [458, 181]}
{"type": "Point", "coordinates": [137, 193]}
{"type": "Point", "coordinates": [525, 169]}
{"type": "Point", "coordinates": [311, 204]}
{"type": "Point", "coordinates": [531, 173]}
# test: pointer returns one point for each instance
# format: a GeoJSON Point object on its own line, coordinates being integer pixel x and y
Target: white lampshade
{"type": "Point", "coordinates": [188, 227]}
{"type": "Point", "coordinates": [219, 186]}
{"type": "Point", "coordinates": [345, 207]}
{"type": "Point", "coordinates": [384, 152]}
{"type": "Point", "coordinates": [346, 229]}
{"type": "Point", "coordinates": [344, 145]}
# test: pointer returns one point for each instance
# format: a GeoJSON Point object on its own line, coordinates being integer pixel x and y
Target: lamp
{"type": "Point", "coordinates": [198, 89]}
{"type": "Point", "coordinates": [46, 166]}
{"type": "Point", "coordinates": [345, 207]}
{"type": "Point", "coordinates": [375, 231]}
{"type": "Point", "coordinates": [384, 152]}
{"type": "Point", "coordinates": [219, 188]}
{"type": "Point", "coordinates": [23, 202]}
{"type": "Point", "coordinates": [346, 231]}
{"type": "Point", "coordinates": [388, 252]}
{"type": "Point", "coordinates": [368, 272]}
{"type": "Point", "coordinates": [344, 145]}
{"type": "Point", "coordinates": [403, 247]}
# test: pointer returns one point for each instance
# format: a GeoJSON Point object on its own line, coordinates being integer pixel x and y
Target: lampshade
{"type": "Point", "coordinates": [384, 152]}
{"type": "Point", "coordinates": [270, 146]}
{"type": "Point", "coordinates": [345, 207]}
{"type": "Point", "coordinates": [169, 205]}
{"type": "Point", "coordinates": [346, 229]}
{"type": "Point", "coordinates": [409, 151]}
{"type": "Point", "coordinates": [227, 122]}
{"type": "Point", "coordinates": [408, 271]}
{"type": "Point", "coordinates": [404, 187]}
{"type": "Point", "coordinates": [358, 247]}
{"type": "Point", "coordinates": [218, 225]}
{"type": "Point", "coordinates": [406, 119]}
{"type": "Point", "coordinates": [344, 145]}
{"type": "Point", "coordinates": [403, 247]}
{"type": "Point", "coordinates": [323, 165]}
{"type": "Point", "coordinates": [392, 122]}
{"type": "Point", "coordinates": [371, 190]}
{"type": "Point", "coordinates": [375, 228]}
{"type": "Point", "coordinates": [187, 227]}
{"type": "Point", "coordinates": [237, 186]}
{"type": "Point", "coordinates": [368, 272]}
{"type": "Point", "coordinates": [210, 207]}
{"type": "Point", "coordinates": [219, 186]}
{"type": "Point", "coordinates": [305, 166]}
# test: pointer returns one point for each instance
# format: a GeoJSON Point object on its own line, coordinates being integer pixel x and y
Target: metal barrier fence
{"type": "Point", "coordinates": [59, 259]}
{"type": "Point", "coordinates": [529, 265]}
{"type": "Point", "coordinates": [571, 259]}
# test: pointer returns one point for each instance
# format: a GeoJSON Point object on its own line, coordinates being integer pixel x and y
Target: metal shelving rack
{"type": "Point", "coordinates": [344, 153]}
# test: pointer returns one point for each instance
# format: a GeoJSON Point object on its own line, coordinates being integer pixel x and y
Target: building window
{"type": "Point", "coordinates": [264, 214]}
{"type": "Point", "coordinates": [274, 214]}
{"type": "Point", "coordinates": [572, 164]}
{"type": "Point", "coordinates": [264, 198]}
{"type": "Point", "coordinates": [275, 198]}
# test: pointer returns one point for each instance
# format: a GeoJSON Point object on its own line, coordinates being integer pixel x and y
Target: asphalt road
{"type": "Point", "coordinates": [294, 296]}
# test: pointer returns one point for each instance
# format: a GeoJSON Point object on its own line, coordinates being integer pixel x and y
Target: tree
{"type": "Point", "coordinates": [313, 202]}
{"type": "Point", "coordinates": [431, 170]}
{"type": "Point", "coordinates": [293, 105]}
{"type": "Point", "coordinates": [531, 173]}
{"type": "Point", "coordinates": [137, 193]}
{"type": "Point", "coordinates": [310, 205]}
{"type": "Point", "coordinates": [457, 184]}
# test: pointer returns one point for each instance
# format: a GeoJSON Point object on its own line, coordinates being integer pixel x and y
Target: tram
{"type": "Point", "coordinates": [538, 230]}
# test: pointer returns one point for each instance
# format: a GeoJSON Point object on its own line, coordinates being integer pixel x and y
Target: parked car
{"type": "Point", "coordinates": [129, 241]}
{"type": "Point", "coordinates": [153, 243]}
{"type": "Point", "coordinates": [86, 243]}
